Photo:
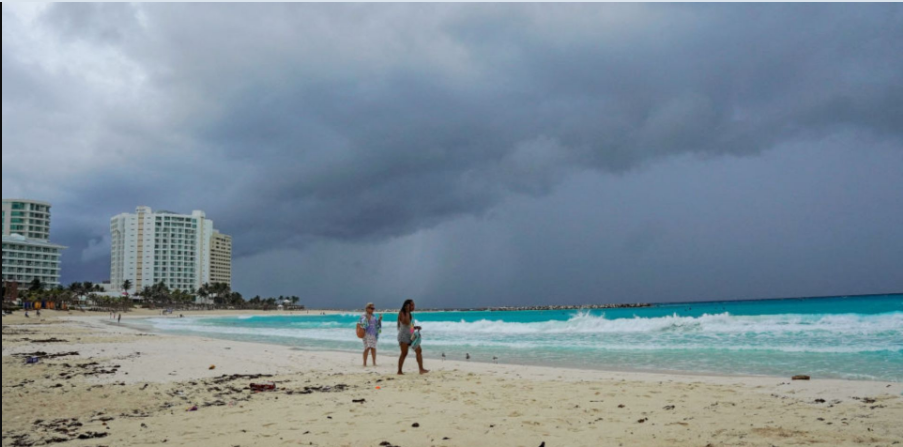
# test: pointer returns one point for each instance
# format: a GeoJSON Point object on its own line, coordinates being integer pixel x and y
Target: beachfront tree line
{"type": "Point", "coordinates": [77, 295]}
{"type": "Point", "coordinates": [213, 296]}
{"type": "Point", "coordinates": [87, 296]}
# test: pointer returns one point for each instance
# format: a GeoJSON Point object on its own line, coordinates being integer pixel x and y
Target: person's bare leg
{"type": "Point", "coordinates": [404, 355]}
{"type": "Point", "coordinates": [366, 351]}
{"type": "Point", "coordinates": [420, 361]}
{"type": "Point", "coordinates": [373, 351]}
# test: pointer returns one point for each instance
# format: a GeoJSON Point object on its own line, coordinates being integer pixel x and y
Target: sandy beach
{"type": "Point", "coordinates": [102, 384]}
{"type": "Point", "coordinates": [146, 313]}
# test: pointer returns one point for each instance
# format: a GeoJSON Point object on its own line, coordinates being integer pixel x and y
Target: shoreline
{"type": "Point", "coordinates": [433, 354]}
{"type": "Point", "coordinates": [562, 373]}
{"type": "Point", "coordinates": [528, 370]}
{"type": "Point", "coordinates": [394, 357]}
{"type": "Point", "coordinates": [478, 361]}
{"type": "Point", "coordinates": [137, 389]}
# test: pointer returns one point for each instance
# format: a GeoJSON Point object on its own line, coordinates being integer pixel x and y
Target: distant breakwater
{"type": "Point", "coordinates": [532, 308]}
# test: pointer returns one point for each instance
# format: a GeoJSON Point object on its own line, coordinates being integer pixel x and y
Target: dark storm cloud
{"type": "Point", "coordinates": [103, 23]}
{"type": "Point", "coordinates": [293, 123]}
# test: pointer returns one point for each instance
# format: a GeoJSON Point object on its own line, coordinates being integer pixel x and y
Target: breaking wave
{"type": "Point", "coordinates": [586, 323]}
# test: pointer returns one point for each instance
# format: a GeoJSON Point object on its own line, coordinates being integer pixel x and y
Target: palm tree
{"type": "Point", "coordinates": [188, 299]}
{"type": "Point", "coordinates": [255, 302]}
{"type": "Point", "coordinates": [124, 304]}
{"type": "Point", "coordinates": [34, 297]}
{"type": "Point", "coordinates": [204, 292]}
{"type": "Point", "coordinates": [74, 289]}
{"type": "Point", "coordinates": [126, 286]}
{"type": "Point", "coordinates": [35, 285]}
{"type": "Point", "coordinates": [223, 290]}
{"type": "Point", "coordinates": [55, 295]}
{"type": "Point", "coordinates": [295, 301]}
{"type": "Point", "coordinates": [219, 291]}
{"type": "Point", "coordinates": [84, 289]}
{"type": "Point", "coordinates": [162, 294]}
{"type": "Point", "coordinates": [87, 289]}
{"type": "Point", "coordinates": [177, 296]}
{"type": "Point", "coordinates": [145, 295]}
{"type": "Point", "coordinates": [236, 300]}
{"type": "Point", "coordinates": [69, 298]}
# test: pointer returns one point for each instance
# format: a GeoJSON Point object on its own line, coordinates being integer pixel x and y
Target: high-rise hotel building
{"type": "Point", "coordinates": [28, 253]}
{"type": "Point", "coordinates": [221, 259]}
{"type": "Point", "coordinates": [151, 247]}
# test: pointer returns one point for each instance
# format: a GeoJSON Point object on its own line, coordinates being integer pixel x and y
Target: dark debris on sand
{"type": "Point", "coordinates": [227, 378]}
{"type": "Point", "coordinates": [50, 340]}
{"type": "Point", "coordinates": [227, 390]}
{"type": "Point", "coordinates": [57, 431]}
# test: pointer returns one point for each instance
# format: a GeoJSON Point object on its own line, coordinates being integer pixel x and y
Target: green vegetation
{"type": "Point", "coordinates": [86, 296]}
{"type": "Point", "coordinates": [77, 296]}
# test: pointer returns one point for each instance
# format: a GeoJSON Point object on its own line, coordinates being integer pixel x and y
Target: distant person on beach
{"type": "Point", "coordinates": [409, 336]}
{"type": "Point", "coordinates": [119, 319]}
{"type": "Point", "coordinates": [372, 326]}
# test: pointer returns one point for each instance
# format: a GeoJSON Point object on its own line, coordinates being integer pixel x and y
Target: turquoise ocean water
{"type": "Point", "coordinates": [843, 338]}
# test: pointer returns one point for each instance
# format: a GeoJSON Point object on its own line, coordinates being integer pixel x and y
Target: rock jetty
{"type": "Point", "coordinates": [547, 308]}
{"type": "Point", "coordinates": [524, 308]}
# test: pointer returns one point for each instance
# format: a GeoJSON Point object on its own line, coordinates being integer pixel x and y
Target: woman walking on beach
{"type": "Point", "coordinates": [406, 336]}
{"type": "Point", "coordinates": [372, 326]}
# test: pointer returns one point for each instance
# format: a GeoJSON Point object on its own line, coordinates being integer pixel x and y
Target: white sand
{"type": "Point", "coordinates": [161, 376]}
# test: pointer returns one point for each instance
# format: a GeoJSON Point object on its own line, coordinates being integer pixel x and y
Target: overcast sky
{"type": "Point", "coordinates": [467, 155]}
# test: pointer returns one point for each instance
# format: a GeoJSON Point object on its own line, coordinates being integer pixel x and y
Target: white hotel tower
{"type": "Point", "coordinates": [28, 253]}
{"type": "Point", "coordinates": [152, 247]}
